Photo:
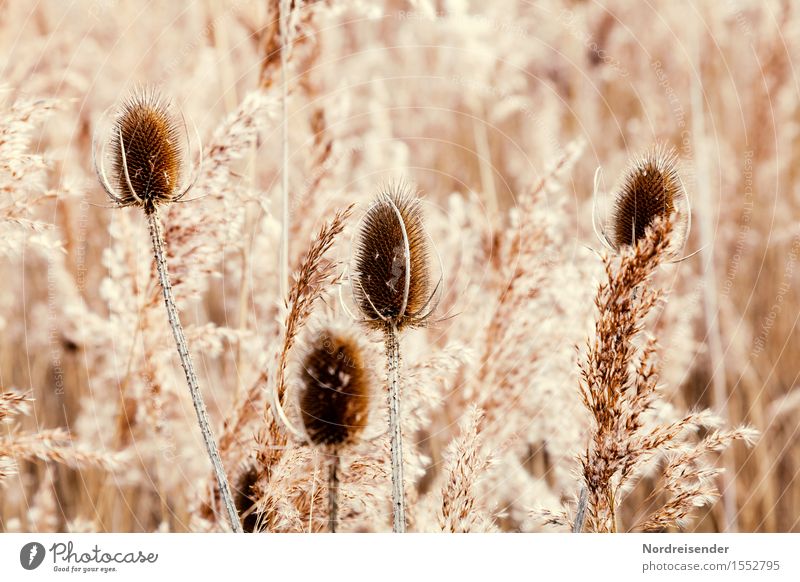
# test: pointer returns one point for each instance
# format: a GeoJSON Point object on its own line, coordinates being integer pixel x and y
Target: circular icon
{"type": "Point", "coordinates": [31, 555]}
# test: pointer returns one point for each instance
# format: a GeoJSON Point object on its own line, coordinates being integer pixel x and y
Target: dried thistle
{"type": "Point", "coordinates": [391, 285]}
{"type": "Point", "coordinates": [148, 146]}
{"type": "Point", "coordinates": [391, 278]}
{"type": "Point", "coordinates": [147, 164]}
{"type": "Point", "coordinates": [651, 189]}
{"type": "Point", "coordinates": [246, 497]}
{"type": "Point", "coordinates": [334, 401]}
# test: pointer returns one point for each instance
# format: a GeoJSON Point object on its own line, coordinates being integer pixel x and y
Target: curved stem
{"type": "Point", "coordinates": [191, 379]}
{"type": "Point", "coordinates": [393, 374]}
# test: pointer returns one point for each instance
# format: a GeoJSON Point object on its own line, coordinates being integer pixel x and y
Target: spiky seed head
{"type": "Point", "coordinates": [146, 146]}
{"type": "Point", "coordinates": [391, 274]}
{"type": "Point", "coordinates": [335, 393]}
{"type": "Point", "coordinates": [651, 189]}
{"type": "Point", "coordinates": [245, 496]}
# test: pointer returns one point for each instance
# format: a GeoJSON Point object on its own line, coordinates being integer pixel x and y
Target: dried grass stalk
{"type": "Point", "coordinates": [618, 390]}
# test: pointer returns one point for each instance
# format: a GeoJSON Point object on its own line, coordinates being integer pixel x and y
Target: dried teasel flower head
{"type": "Point", "coordinates": [391, 275]}
{"type": "Point", "coordinates": [147, 148]}
{"type": "Point", "coordinates": [334, 397]}
{"type": "Point", "coordinates": [245, 496]}
{"type": "Point", "coordinates": [651, 189]}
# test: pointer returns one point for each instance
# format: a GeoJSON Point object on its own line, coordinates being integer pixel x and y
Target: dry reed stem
{"type": "Point", "coordinates": [711, 312]}
{"type": "Point", "coordinates": [157, 239]}
{"type": "Point", "coordinates": [284, 14]}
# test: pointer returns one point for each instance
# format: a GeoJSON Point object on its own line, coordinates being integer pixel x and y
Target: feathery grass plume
{"type": "Point", "coordinates": [689, 481]}
{"type": "Point", "coordinates": [391, 285]}
{"type": "Point", "coordinates": [48, 445]}
{"type": "Point", "coordinates": [466, 463]}
{"type": "Point", "coordinates": [318, 272]}
{"type": "Point", "coordinates": [334, 400]}
{"type": "Point", "coordinates": [619, 384]}
{"type": "Point", "coordinates": [651, 189]}
{"type": "Point", "coordinates": [147, 150]}
{"type": "Point", "coordinates": [613, 397]}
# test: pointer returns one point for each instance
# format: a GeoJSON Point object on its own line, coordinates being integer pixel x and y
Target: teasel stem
{"type": "Point", "coordinates": [580, 514]}
{"type": "Point", "coordinates": [157, 237]}
{"type": "Point", "coordinates": [393, 372]}
{"type": "Point", "coordinates": [333, 492]}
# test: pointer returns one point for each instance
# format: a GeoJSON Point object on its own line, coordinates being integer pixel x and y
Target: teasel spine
{"type": "Point", "coordinates": [157, 238]}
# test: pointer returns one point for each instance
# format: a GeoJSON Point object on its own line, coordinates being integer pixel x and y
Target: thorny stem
{"type": "Point", "coordinates": [186, 361]}
{"type": "Point", "coordinates": [393, 374]}
{"type": "Point", "coordinates": [333, 493]}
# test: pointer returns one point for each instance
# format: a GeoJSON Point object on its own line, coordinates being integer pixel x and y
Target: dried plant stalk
{"type": "Point", "coordinates": [333, 494]}
{"type": "Point", "coordinates": [147, 153]}
{"type": "Point", "coordinates": [615, 400]}
{"type": "Point", "coordinates": [391, 285]}
{"type": "Point", "coordinates": [209, 439]}
{"type": "Point", "coordinates": [580, 513]}
{"type": "Point", "coordinates": [334, 403]}
{"type": "Point", "coordinates": [393, 379]}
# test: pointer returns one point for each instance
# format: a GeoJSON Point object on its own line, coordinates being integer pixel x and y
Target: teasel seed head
{"type": "Point", "coordinates": [335, 389]}
{"type": "Point", "coordinates": [391, 272]}
{"type": "Point", "coordinates": [147, 147]}
{"type": "Point", "coordinates": [246, 497]}
{"type": "Point", "coordinates": [651, 189]}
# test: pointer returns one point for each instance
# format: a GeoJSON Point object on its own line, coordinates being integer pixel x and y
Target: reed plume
{"type": "Point", "coordinates": [616, 399]}
{"type": "Point", "coordinates": [334, 401]}
{"type": "Point", "coordinates": [620, 384]}
{"type": "Point", "coordinates": [391, 285]}
{"type": "Point", "coordinates": [316, 275]}
{"type": "Point", "coordinates": [148, 156]}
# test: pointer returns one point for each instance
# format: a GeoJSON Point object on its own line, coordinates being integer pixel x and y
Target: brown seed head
{"type": "Point", "coordinates": [334, 400]}
{"type": "Point", "coordinates": [147, 151]}
{"type": "Point", "coordinates": [391, 275]}
{"type": "Point", "coordinates": [651, 189]}
{"type": "Point", "coordinates": [245, 497]}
